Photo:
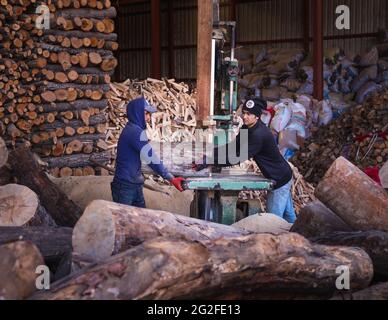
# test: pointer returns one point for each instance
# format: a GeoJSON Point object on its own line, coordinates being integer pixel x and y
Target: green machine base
{"type": "Point", "coordinates": [216, 196]}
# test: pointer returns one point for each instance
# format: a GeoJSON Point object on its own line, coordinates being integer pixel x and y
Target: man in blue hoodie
{"type": "Point", "coordinates": [127, 185]}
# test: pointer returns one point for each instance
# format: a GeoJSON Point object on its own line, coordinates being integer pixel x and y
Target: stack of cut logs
{"type": "Point", "coordinates": [54, 81]}
{"type": "Point", "coordinates": [120, 251]}
{"type": "Point", "coordinates": [360, 135]}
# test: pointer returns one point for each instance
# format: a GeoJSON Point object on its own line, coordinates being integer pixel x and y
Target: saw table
{"type": "Point", "coordinates": [216, 196]}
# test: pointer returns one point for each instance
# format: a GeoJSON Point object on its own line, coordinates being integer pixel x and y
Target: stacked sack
{"type": "Point", "coordinates": [275, 74]}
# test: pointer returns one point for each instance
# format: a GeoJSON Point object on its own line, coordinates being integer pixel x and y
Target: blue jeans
{"type": "Point", "coordinates": [129, 194]}
{"type": "Point", "coordinates": [279, 202]}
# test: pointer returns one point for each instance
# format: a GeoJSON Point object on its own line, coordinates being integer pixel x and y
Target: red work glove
{"type": "Point", "coordinates": [177, 183]}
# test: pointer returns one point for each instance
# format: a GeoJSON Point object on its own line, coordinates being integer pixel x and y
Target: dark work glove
{"type": "Point", "coordinates": [199, 167]}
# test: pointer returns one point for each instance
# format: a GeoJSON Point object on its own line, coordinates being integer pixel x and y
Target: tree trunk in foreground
{"type": "Point", "coordinates": [257, 266]}
{"type": "Point", "coordinates": [354, 197]}
{"type": "Point", "coordinates": [108, 228]}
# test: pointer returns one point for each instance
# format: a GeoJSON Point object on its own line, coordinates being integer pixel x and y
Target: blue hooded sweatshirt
{"type": "Point", "coordinates": [133, 146]}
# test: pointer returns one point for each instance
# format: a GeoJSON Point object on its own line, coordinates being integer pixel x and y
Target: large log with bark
{"type": "Point", "coordinates": [257, 266]}
{"type": "Point", "coordinates": [78, 160]}
{"type": "Point", "coordinates": [354, 197]}
{"type": "Point", "coordinates": [19, 206]}
{"type": "Point", "coordinates": [374, 242]}
{"type": "Point", "coordinates": [375, 292]}
{"type": "Point", "coordinates": [88, 13]}
{"type": "Point", "coordinates": [106, 228]}
{"type": "Point", "coordinates": [19, 261]}
{"type": "Point", "coordinates": [28, 172]}
{"type": "Point", "coordinates": [315, 219]}
{"type": "Point", "coordinates": [53, 243]}
{"type": "Point", "coordinates": [3, 153]}
{"type": "Point", "coordinates": [74, 105]}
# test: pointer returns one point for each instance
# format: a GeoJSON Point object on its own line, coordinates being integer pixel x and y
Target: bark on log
{"type": "Point", "coordinates": [354, 197]}
{"type": "Point", "coordinates": [107, 228]}
{"type": "Point", "coordinates": [19, 261]}
{"type": "Point", "coordinates": [5, 175]}
{"type": "Point", "coordinates": [374, 242]}
{"type": "Point", "coordinates": [28, 172]}
{"type": "Point", "coordinates": [376, 292]}
{"type": "Point", "coordinates": [74, 105]}
{"type": "Point", "coordinates": [260, 266]}
{"type": "Point", "coordinates": [316, 219]}
{"type": "Point", "coordinates": [87, 13]}
{"type": "Point", "coordinates": [3, 153]}
{"type": "Point", "coordinates": [78, 160]}
{"type": "Point", "coordinates": [52, 243]}
{"type": "Point", "coordinates": [82, 34]}
{"type": "Point", "coordinates": [19, 206]}
{"type": "Point", "coordinates": [55, 86]}
{"type": "Point", "coordinates": [86, 70]}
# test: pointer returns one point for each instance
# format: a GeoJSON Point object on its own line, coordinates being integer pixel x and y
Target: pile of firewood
{"type": "Point", "coordinates": [302, 191]}
{"type": "Point", "coordinates": [54, 80]}
{"type": "Point", "coordinates": [360, 135]}
{"type": "Point", "coordinates": [175, 120]}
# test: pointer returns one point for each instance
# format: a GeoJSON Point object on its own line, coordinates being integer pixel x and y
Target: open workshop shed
{"type": "Point", "coordinates": [64, 91]}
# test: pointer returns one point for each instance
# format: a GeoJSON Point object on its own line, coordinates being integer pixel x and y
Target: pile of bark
{"type": "Point", "coordinates": [360, 135]}
{"type": "Point", "coordinates": [54, 80]}
{"type": "Point", "coordinates": [274, 74]}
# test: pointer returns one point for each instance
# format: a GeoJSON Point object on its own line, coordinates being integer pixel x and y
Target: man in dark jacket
{"type": "Point", "coordinates": [127, 185]}
{"type": "Point", "coordinates": [264, 151]}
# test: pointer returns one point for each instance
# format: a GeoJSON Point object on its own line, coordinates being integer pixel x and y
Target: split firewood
{"type": "Point", "coordinates": [354, 197]}
{"type": "Point", "coordinates": [360, 134]}
{"type": "Point", "coordinates": [19, 261]}
{"type": "Point", "coordinates": [273, 267]}
{"type": "Point", "coordinates": [20, 207]}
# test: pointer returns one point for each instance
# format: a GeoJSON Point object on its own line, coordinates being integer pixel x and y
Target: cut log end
{"type": "Point", "coordinates": [94, 234]}
{"type": "Point", "coordinates": [18, 205]}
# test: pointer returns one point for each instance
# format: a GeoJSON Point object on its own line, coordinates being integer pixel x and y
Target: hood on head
{"type": "Point", "coordinates": [135, 112]}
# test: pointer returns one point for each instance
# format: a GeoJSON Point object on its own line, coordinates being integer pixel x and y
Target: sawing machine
{"type": "Point", "coordinates": [216, 193]}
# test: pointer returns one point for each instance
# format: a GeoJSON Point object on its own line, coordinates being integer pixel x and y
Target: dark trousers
{"type": "Point", "coordinates": [129, 194]}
